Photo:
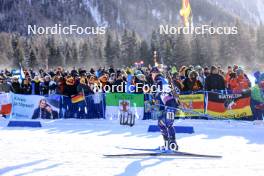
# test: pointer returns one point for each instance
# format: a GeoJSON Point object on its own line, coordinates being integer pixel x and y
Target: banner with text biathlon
{"type": "Point", "coordinates": [34, 107]}
{"type": "Point", "coordinates": [236, 105]}
{"type": "Point", "coordinates": [117, 103]}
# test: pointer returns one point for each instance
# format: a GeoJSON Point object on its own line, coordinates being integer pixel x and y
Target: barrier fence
{"type": "Point", "coordinates": [246, 105]}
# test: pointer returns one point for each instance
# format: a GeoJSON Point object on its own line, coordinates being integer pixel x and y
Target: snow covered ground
{"type": "Point", "coordinates": [75, 148]}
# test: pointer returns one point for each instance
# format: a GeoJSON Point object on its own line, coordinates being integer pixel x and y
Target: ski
{"type": "Point", "coordinates": [141, 149]}
{"type": "Point", "coordinates": [183, 154]}
{"type": "Point", "coordinates": [158, 152]}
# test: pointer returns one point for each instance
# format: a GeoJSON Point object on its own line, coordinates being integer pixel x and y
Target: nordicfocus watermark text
{"type": "Point", "coordinates": [131, 88]}
{"type": "Point", "coordinates": [199, 30]}
{"type": "Point", "coordinates": [65, 30]}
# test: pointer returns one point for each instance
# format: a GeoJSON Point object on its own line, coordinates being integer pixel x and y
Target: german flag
{"type": "Point", "coordinates": [77, 98]}
{"type": "Point", "coordinates": [229, 105]}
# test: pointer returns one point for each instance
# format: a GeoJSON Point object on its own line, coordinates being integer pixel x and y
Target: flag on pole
{"type": "Point", "coordinates": [22, 74]}
{"type": "Point", "coordinates": [186, 13]}
{"type": "Point", "coordinates": [78, 98]}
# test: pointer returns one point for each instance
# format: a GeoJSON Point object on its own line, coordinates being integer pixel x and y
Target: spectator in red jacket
{"type": "Point", "coordinates": [238, 81]}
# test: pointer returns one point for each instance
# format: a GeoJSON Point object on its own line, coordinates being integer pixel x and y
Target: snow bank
{"type": "Point", "coordinates": [75, 147]}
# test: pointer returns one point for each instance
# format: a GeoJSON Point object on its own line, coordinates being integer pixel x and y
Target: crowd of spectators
{"type": "Point", "coordinates": [71, 82]}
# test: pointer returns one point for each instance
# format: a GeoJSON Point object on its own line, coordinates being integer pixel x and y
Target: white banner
{"type": "Point", "coordinates": [32, 107]}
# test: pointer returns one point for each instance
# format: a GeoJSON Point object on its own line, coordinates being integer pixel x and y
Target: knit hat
{"type": "Point", "coordinates": [239, 71]}
{"type": "Point", "coordinates": [154, 70]}
{"type": "Point", "coordinates": [141, 77]}
{"type": "Point", "coordinates": [197, 67]}
{"type": "Point", "coordinates": [137, 72]}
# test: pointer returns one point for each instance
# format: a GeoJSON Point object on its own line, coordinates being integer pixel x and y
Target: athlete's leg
{"type": "Point", "coordinates": [171, 111]}
{"type": "Point", "coordinates": [163, 128]}
{"type": "Point", "coordinates": [172, 135]}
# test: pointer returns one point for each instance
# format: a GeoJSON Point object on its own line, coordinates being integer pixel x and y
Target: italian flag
{"type": "Point", "coordinates": [117, 103]}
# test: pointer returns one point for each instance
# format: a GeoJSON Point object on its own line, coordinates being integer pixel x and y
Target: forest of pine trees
{"type": "Point", "coordinates": [127, 48]}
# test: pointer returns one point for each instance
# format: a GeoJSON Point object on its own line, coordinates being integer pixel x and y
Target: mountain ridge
{"type": "Point", "coordinates": [141, 16]}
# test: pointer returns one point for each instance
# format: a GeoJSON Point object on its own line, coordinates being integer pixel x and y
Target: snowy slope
{"type": "Point", "coordinates": [260, 4]}
{"type": "Point", "coordinates": [250, 11]}
{"type": "Point", "coordinates": [72, 147]}
{"type": "Point", "coordinates": [96, 15]}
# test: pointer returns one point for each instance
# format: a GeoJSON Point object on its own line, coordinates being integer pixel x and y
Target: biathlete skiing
{"type": "Point", "coordinates": [168, 104]}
